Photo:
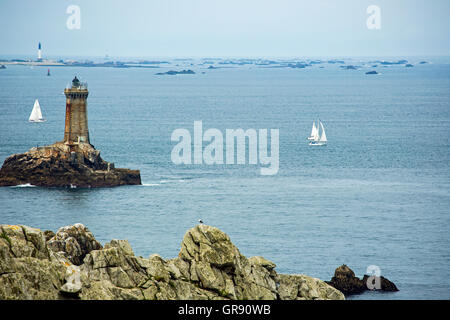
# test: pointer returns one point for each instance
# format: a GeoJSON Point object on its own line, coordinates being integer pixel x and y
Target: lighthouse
{"type": "Point", "coordinates": [39, 52]}
{"type": "Point", "coordinates": [76, 127]}
{"type": "Point", "coordinates": [72, 162]}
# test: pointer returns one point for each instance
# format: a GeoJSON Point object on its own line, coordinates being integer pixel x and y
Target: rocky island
{"type": "Point", "coordinates": [173, 72]}
{"type": "Point", "coordinates": [350, 67]}
{"type": "Point", "coordinates": [73, 162]}
{"type": "Point", "coordinates": [344, 280]}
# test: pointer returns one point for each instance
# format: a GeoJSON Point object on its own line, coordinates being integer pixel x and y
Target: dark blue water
{"type": "Point", "coordinates": [377, 194]}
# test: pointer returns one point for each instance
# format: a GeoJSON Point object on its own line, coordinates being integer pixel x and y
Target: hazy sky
{"type": "Point", "coordinates": [207, 28]}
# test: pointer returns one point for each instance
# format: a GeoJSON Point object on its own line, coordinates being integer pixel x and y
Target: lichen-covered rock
{"type": "Point", "coordinates": [73, 280]}
{"type": "Point", "coordinates": [114, 273]}
{"type": "Point", "coordinates": [209, 244]}
{"type": "Point", "coordinates": [267, 264]}
{"type": "Point", "coordinates": [28, 270]}
{"type": "Point", "coordinates": [302, 287]}
{"type": "Point", "coordinates": [216, 264]}
{"type": "Point", "coordinates": [28, 242]}
{"type": "Point", "coordinates": [72, 264]}
{"type": "Point", "coordinates": [48, 234]}
{"type": "Point", "coordinates": [75, 241]}
{"type": "Point", "coordinates": [32, 279]}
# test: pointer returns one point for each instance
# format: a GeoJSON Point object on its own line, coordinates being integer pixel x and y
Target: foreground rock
{"type": "Point", "coordinates": [61, 165]}
{"type": "Point", "coordinates": [72, 264]}
{"type": "Point", "coordinates": [75, 242]}
{"type": "Point", "coordinates": [345, 281]}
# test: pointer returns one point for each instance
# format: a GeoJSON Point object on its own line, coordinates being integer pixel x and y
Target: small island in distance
{"type": "Point", "coordinates": [172, 72]}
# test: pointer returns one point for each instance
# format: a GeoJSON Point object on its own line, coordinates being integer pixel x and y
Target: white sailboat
{"type": "Point", "coordinates": [36, 113]}
{"type": "Point", "coordinates": [318, 140]}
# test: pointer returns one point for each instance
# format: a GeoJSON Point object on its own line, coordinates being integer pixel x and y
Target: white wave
{"type": "Point", "coordinates": [26, 185]}
{"type": "Point", "coordinates": [150, 184]}
{"type": "Point", "coordinates": [173, 180]}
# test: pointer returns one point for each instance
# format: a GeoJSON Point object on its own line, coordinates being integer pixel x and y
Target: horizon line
{"type": "Point", "coordinates": [53, 56]}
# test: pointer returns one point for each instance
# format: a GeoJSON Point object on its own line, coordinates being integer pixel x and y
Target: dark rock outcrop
{"type": "Point", "coordinates": [297, 65]}
{"type": "Point", "coordinates": [371, 72]}
{"type": "Point", "coordinates": [350, 67]}
{"type": "Point", "coordinates": [61, 165]}
{"type": "Point", "coordinates": [336, 61]}
{"type": "Point", "coordinates": [345, 281]}
{"type": "Point", "coordinates": [386, 285]}
{"type": "Point", "coordinates": [173, 72]}
{"type": "Point", "coordinates": [72, 264]}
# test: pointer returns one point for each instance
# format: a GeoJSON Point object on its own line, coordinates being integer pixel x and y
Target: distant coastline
{"type": "Point", "coordinates": [211, 64]}
{"type": "Point", "coordinates": [73, 63]}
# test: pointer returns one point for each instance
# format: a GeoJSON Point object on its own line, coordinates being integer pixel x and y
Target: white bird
{"type": "Point", "coordinates": [200, 221]}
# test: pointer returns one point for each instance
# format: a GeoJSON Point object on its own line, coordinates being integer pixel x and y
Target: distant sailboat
{"type": "Point", "coordinates": [316, 139]}
{"type": "Point", "coordinates": [36, 113]}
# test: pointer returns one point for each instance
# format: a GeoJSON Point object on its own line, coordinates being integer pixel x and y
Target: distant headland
{"type": "Point", "coordinates": [84, 63]}
{"type": "Point", "coordinates": [205, 63]}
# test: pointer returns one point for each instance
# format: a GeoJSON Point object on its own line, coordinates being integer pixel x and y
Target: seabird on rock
{"type": "Point", "coordinates": [200, 221]}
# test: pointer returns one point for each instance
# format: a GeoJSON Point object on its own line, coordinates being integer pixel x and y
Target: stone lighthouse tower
{"type": "Point", "coordinates": [76, 128]}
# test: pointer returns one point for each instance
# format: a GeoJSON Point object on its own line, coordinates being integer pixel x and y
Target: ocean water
{"type": "Point", "coordinates": [377, 194]}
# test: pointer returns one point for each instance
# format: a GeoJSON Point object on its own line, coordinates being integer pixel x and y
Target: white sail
{"type": "Point", "coordinates": [323, 137]}
{"type": "Point", "coordinates": [314, 132]}
{"type": "Point", "coordinates": [36, 113]}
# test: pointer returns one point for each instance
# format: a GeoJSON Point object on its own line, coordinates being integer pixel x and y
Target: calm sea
{"type": "Point", "coordinates": [377, 194]}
